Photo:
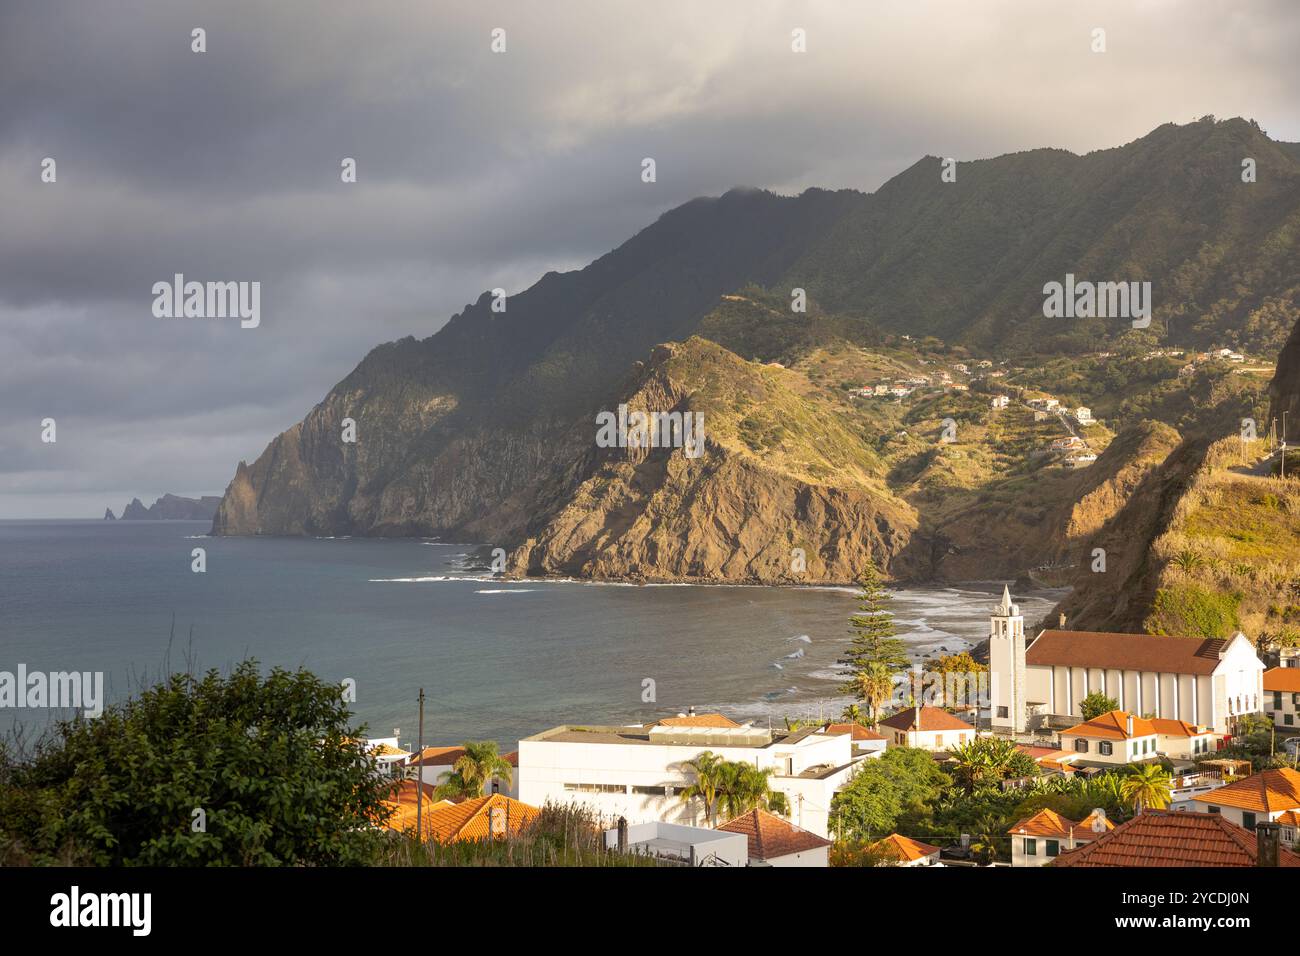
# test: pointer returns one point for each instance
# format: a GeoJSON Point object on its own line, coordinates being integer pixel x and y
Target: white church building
{"type": "Point", "coordinates": [1209, 682]}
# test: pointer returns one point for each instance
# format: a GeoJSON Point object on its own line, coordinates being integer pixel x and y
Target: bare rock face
{"type": "Point", "coordinates": [108, 515]}
{"type": "Point", "coordinates": [730, 514]}
{"type": "Point", "coordinates": [718, 518]}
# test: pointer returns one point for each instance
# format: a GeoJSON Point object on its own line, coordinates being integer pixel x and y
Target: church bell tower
{"type": "Point", "coordinates": [1007, 665]}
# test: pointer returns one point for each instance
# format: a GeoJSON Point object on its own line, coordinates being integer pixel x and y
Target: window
{"type": "Point", "coordinates": [1081, 745]}
{"type": "Point", "coordinates": [938, 740]}
{"type": "Point", "coordinates": [660, 791]}
{"type": "Point", "coordinates": [1003, 712]}
{"type": "Point", "coordinates": [1288, 719]}
{"type": "Point", "coordinates": [1248, 820]}
{"type": "Point", "coordinates": [1031, 847]}
{"type": "Point", "coordinates": [1105, 748]}
{"type": "Point", "coordinates": [595, 788]}
{"type": "Point", "coordinates": [1277, 700]}
{"type": "Point", "coordinates": [1053, 847]}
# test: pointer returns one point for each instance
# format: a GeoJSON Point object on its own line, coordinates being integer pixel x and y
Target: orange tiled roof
{"type": "Point", "coordinates": [1133, 652]}
{"type": "Point", "coordinates": [1178, 728]}
{"type": "Point", "coordinates": [905, 849]}
{"type": "Point", "coordinates": [1038, 753]}
{"type": "Point", "coordinates": [1044, 823]}
{"type": "Point", "coordinates": [1283, 679]}
{"type": "Point", "coordinates": [438, 756]}
{"type": "Point", "coordinates": [471, 820]}
{"type": "Point", "coordinates": [1167, 838]}
{"type": "Point", "coordinates": [1112, 725]}
{"type": "Point", "coordinates": [932, 718]}
{"type": "Point", "coordinates": [447, 756]}
{"type": "Point", "coordinates": [1289, 819]}
{"type": "Point", "coordinates": [771, 837]}
{"type": "Point", "coordinates": [403, 802]}
{"type": "Point", "coordinates": [856, 730]}
{"type": "Point", "coordinates": [1268, 791]}
{"type": "Point", "coordinates": [697, 720]}
{"type": "Point", "coordinates": [1049, 823]}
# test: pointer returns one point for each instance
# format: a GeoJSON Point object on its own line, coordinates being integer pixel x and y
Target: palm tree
{"type": "Point", "coordinates": [854, 715]}
{"type": "Point", "coordinates": [1147, 788]}
{"type": "Point", "coordinates": [873, 685]}
{"type": "Point", "coordinates": [706, 767]}
{"type": "Point", "coordinates": [744, 787]}
{"type": "Point", "coordinates": [473, 769]}
{"type": "Point", "coordinates": [987, 838]}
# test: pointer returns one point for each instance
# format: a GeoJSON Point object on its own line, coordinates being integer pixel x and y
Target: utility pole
{"type": "Point", "coordinates": [419, 776]}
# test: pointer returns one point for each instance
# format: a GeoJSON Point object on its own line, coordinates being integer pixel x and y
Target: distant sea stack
{"type": "Point", "coordinates": [170, 508]}
{"type": "Point", "coordinates": [108, 515]}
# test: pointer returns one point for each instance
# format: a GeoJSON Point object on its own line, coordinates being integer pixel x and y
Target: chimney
{"type": "Point", "coordinates": [1060, 621]}
{"type": "Point", "coordinates": [1130, 725]}
{"type": "Point", "coordinates": [622, 834]}
{"type": "Point", "coordinates": [1266, 844]}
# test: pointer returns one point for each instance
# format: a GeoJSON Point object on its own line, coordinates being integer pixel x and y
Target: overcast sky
{"type": "Point", "coordinates": [475, 170]}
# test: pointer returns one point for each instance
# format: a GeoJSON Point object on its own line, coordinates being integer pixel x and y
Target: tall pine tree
{"type": "Point", "coordinates": [875, 654]}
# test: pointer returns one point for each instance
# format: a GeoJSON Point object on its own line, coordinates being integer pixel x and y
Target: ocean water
{"type": "Point", "coordinates": [497, 660]}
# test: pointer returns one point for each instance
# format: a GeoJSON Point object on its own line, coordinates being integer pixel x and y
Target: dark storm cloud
{"type": "Point", "coordinates": [475, 170]}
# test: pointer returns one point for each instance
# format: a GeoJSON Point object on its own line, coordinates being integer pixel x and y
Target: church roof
{"type": "Point", "coordinates": [1133, 652]}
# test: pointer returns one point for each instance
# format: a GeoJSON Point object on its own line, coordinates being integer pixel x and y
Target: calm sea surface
{"type": "Point", "coordinates": [497, 660]}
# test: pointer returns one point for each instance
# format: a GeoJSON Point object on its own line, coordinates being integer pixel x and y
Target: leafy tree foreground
{"type": "Point", "coordinates": [211, 770]}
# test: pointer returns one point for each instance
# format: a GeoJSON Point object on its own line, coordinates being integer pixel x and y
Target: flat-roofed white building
{"type": "Point", "coordinates": [691, 846]}
{"type": "Point", "coordinates": [1204, 682]}
{"type": "Point", "coordinates": [639, 771]}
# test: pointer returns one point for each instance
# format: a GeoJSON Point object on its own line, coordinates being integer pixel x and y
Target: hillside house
{"type": "Point", "coordinates": [776, 842]}
{"type": "Point", "coordinates": [1282, 697]}
{"type": "Point", "coordinates": [1039, 839]}
{"type": "Point", "coordinates": [1269, 796]}
{"type": "Point", "coordinates": [930, 728]}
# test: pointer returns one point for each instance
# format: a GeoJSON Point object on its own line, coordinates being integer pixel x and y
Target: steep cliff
{"type": "Point", "coordinates": [170, 507]}
{"type": "Point", "coordinates": [485, 431]}
{"type": "Point", "coordinates": [808, 508]}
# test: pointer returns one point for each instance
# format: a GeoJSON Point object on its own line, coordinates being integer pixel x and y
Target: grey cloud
{"type": "Point", "coordinates": [476, 170]}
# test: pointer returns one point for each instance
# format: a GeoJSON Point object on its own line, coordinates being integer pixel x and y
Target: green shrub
{"type": "Point", "coordinates": [1190, 611]}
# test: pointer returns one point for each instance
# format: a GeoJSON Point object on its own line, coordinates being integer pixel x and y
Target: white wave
{"type": "Point", "coordinates": [802, 637]}
{"type": "Point", "coordinates": [505, 591]}
{"type": "Point", "coordinates": [441, 577]}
